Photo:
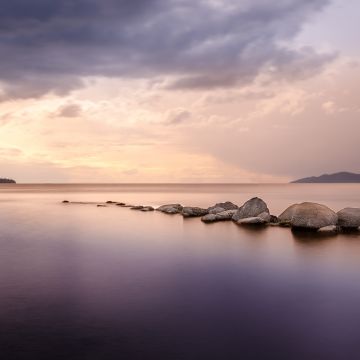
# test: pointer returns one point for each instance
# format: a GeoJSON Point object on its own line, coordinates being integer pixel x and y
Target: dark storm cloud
{"type": "Point", "coordinates": [51, 45]}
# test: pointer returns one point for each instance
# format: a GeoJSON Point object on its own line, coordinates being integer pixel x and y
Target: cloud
{"type": "Point", "coordinates": [177, 117]}
{"type": "Point", "coordinates": [52, 46]}
{"type": "Point", "coordinates": [69, 110]}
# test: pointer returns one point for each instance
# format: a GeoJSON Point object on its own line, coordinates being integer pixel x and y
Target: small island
{"type": "Point", "coordinates": [340, 177]}
{"type": "Point", "coordinates": [7, 181]}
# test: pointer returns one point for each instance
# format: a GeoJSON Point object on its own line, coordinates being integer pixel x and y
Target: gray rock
{"type": "Point", "coordinates": [252, 208]}
{"type": "Point", "coordinates": [274, 219]}
{"type": "Point", "coordinates": [170, 209]}
{"type": "Point", "coordinates": [287, 215]}
{"type": "Point", "coordinates": [349, 218]}
{"type": "Point", "coordinates": [331, 229]}
{"type": "Point", "coordinates": [216, 210]}
{"type": "Point", "coordinates": [256, 220]}
{"type": "Point", "coordinates": [265, 216]}
{"type": "Point", "coordinates": [308, 216]}
{"type": "Point", "coordinates": [147, 208]}
{"type": "Point", "coordinates": [193, 211]}
{"type": "Point", "coordinates": [225, 205]}
{"type": "Point", "coordinates": [222, 216]}
{"type": "Point", "coordinates": [137, 207]}
{"type": "Point", "coordinates": [209, 218]}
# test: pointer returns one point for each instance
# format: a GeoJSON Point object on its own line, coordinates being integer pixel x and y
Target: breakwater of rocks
{"type": "Point", "coordinates": [255, 212]}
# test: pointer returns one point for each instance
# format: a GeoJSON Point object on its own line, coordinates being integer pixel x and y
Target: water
{"type": "Point", "coordinates": [89, 283]}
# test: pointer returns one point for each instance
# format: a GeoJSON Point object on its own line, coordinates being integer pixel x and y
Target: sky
{"type": "Point", "coordinates": [206, 91]}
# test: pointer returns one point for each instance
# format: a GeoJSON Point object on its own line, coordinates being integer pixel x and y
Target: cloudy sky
{"type": "Point", "coordinates": [178, 90]}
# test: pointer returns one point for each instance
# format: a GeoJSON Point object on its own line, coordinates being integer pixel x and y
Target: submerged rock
{"type": "Point", "coordinates": [349, 218]}
{"type": "Point", "coordinates": [111, 202]}
{"type": "Point", "coordinates": [66, 202]}
{"type": "Point", "coordinates": [189, 211]}
{"type": "Point", "coordinates": [252, 208]}
{"type": "Point", "coordinates": [308, 215]}
{"type": "Point", "coordinates": [222, 216]}
{"type": "Point", "coordinates": [170, 208]}
{"type": "Point", "coordinates": [101, 205]}
{"type": "Point", "coordinates": [120, 204]}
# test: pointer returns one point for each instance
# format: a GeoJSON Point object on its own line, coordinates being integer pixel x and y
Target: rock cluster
{"type": "Point", "coordinates": [255, 212]}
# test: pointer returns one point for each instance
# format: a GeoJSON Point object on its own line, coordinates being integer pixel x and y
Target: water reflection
{"type": "Point", "coordinates": [81, 282]}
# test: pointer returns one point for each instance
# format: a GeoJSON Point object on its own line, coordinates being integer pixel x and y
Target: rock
{"type": "Point", "coordinates": [137, 207]}
{"type": "Point", "coordinates": [193, 211]}
{"type": "Point", "coordinates": [170, 208]}
{"type": "Point", "coordinates": [222, 216]}
{"type": "Point", "coordinates": [120, 204]}
{"type": "Point", "coordinates": [252, 221]}
{"type": "Point", "coordinates": [286, 216]}
{"type": "Point", "coordinates": [209, 218]}
{"type": "Point", "coordinates": [274, 219]}
{"type": "Point", "coordinates": [349, 218]}
{"type": "Point", "coordinates": [147, 208]}
{"type": "Point", "coordinates": [225, 205]}
{"type": "Point", "coordinates": [252, 208]}
{"type": "Point", "coordinates": [265, 216]}
{"type": "Point", "coordinates": [331, 229]}
{"type": "Point", "coordinates": [216, 210]}
{"type": "Point", "coordinates": [66, 202]}
{"type": "Point", "coordinates": [101, 205]}
{"type": "Point", "coordinates": [308, 215]}
{"type": "Point", "coordinates": [111, 202]}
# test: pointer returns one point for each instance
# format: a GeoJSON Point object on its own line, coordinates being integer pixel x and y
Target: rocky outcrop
{"type": "Point", "coordinates": [309, 216]}
{"type": "Point", "coordinates": [221, 216]}
{"type": "Point", "coordinates": [189, 211]}
{"type": "Point", "coordinates": [331, 229]}
{"type": "Point", "coordinates": [252, 208]}
{"type": "Point", "coordinates": [170, 208]}
{"type": "Point", "coordinates": [349, 218]}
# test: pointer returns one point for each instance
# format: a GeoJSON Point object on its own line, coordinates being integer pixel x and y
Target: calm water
{"type": "Point", "coordinates": [81, 282]}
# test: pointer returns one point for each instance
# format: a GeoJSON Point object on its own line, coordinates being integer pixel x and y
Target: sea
{"type": "Point", "coordinates": [82, 282]}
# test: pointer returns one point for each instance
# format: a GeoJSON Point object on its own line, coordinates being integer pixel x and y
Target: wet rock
{"type": "Point", "coordinates": [111, 202]}
{"type": "Point", "coordinates": [225, 206]}
{"type": "Point", "coordinates": [170, 208]}
{"type": "Point", "coordinates": [101, 205]}
{"type": "Point", "coordinates": [189, 211]}
{"type": "Point", "coordinates": [120, 204]}
{"type": "Point", "coordinates": [252, 208]}
{"type": "Point", "coordinates": [349, 218]}
{"type": "Point", "coordinates": [222, 216]}
{"type": "Point", "coordinates": [309, 216]}
{"type": "Point", "coordinates": [66, 202]}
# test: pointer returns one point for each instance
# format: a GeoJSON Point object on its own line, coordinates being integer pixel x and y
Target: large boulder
{"type": "Point", "coordinates": [349, 218]}
{"type": "Point", "coordinates": [227, 205]}
{"type": "Point", "coordinates": [252, 208]}
{"type": "Point", "coordinates": [170, 208]}
{"type": "Point", "coordinates": [308, 215]}
{"type": "Point", "coordinates": [262, 219]}
{"type": "Point", "coordinates": [193, 211]}
{"type": "Point", "coordinates": [222, 216]}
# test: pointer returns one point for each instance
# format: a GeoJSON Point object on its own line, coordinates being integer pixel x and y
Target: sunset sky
{"type": "Point", "coordinates": [178, 90]}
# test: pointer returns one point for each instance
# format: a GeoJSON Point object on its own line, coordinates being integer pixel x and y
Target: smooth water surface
{"type": "Point", "coordinates": [91, 283]}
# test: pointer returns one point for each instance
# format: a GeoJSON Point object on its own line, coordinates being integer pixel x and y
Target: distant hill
{"type": "Point", "coordinates": [7, 181]}
{"type": "Point", "coordinates": [340, 177]}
